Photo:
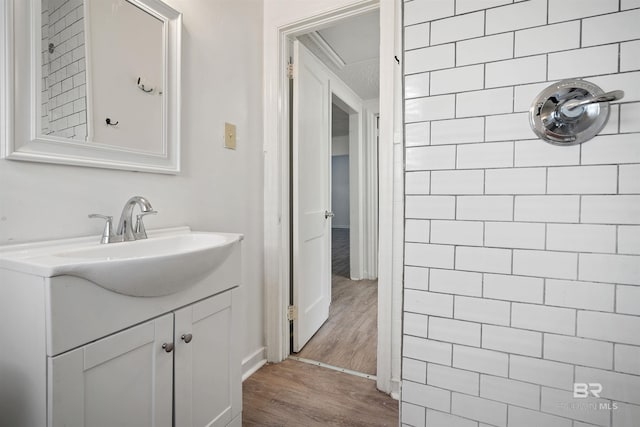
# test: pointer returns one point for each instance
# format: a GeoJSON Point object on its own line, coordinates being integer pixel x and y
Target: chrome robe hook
{"type": "Point", "coordinates": [141, 86]}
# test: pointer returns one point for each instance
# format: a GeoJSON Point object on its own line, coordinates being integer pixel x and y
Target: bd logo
{"type": "Point", "coordinates": [583, 390]}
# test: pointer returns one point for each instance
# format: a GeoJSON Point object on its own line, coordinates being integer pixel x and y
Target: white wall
{"type": "Point", "coordinates": [340, 191]}
{"type": "Point", "coordinates": [522, 259]}
{"type": "Point", "coordinates": [218, 189]}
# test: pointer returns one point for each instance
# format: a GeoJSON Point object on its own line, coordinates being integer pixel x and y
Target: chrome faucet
{"type": "Point", "coordinates": [126, 231]}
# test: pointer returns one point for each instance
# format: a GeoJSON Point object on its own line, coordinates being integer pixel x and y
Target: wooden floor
{"type": "Point", "coordinates": [349, 338]}
{"type": "Point", "coordinates": [297, 394]}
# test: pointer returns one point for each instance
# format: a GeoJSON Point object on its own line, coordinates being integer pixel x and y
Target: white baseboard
{"type": "Point", "coordinates": [395, 389]}
{"type": "Point", "coordinates": [253, 362]}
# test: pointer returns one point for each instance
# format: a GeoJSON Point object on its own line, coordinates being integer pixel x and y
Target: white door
{"type": "Point", "coordinates": [207, 373]}
{"type": "Point", "coordinates": [121, 380]}
{"type": "Point", "coordinates": [311, 198]}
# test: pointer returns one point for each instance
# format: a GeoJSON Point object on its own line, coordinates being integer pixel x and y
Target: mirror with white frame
{"type": "Point", "coordinates": [102, 87]}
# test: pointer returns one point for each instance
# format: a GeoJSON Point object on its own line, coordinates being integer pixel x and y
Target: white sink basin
{"type": "Point", "coordinates": [165, 263]}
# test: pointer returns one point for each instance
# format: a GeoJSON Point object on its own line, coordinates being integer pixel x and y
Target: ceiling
{"type": "Point", "coordinates": [354, 45]}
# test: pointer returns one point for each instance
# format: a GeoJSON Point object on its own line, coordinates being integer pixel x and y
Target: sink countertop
{"type": "Point", "coordinates": [51, 258]}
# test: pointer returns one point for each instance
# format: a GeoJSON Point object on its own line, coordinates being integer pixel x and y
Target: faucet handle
{"type": "Point", "coordinates": [107, 233]}
{"type": "Point", "coordinates": [139, 231]}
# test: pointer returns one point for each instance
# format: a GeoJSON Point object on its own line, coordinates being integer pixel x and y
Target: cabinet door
{"type": "Point", "coordinates": [121, 380]}
{"type": "Point", "coordinates": [207, 369]}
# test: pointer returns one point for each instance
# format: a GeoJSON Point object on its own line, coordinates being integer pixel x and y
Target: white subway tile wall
{"type": "Point", "coordinates": [436, 418]}
{"type": "Point", "coordinates": [455, 282]}
{"type": "Point", "coordinates": [541, 371]}
{"type": "Point", "coordinates": [417, 182]}
{"type": "Point", "coordinates": [522, 259]}
{"type": "Point", "coordinates": [627, 359]}
{"type": "Point", "coordinates": [416, 85]}
{"type": "Point", "coordinates": [628, 300]}
{"type": "Point", "coordinates": [512, 340]}
{"type": "Point", "coordinates": [63, 95]}
{"type": "Point", "coordinates": [510, 391]}
{"type": "Point", "coordinates": [629, 240]}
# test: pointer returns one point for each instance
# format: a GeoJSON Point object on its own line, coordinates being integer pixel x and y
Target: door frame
{"type": "Point", "coordinates": [277, 174]}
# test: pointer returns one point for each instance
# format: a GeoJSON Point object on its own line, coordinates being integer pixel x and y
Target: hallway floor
{"type": "Point", "coordinates": [348, 339]}
{"type": "Point", "coordinates": [297, 394]}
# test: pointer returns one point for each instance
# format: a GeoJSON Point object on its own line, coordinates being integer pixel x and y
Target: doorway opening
{"type": "Point", "coordinates": [348, 53]}
{"type": "Point", "coordinates": [279, 34]}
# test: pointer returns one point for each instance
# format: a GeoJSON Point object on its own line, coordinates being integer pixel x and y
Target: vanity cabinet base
{"type": "Point", "coordinates": [181, 366]}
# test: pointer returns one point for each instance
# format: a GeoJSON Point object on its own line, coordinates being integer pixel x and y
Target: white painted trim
{"type": "Point", "coordinates": [395, 389]}
{"type": "Point", "coordinates": [326, 49]}
{"type": "Point", "coordinates": [88, 64]}
{"type": "Point", "coordinates": [370, 191]}
{"type": "Point", "coordinates": [253, 362]}
{"type": "Point", "coordinates": [389, 317]}
{"type": "Point", "coordinates": [276, 182]}
{"type": "Point", "coordinates": [356, 195]}
{"type": "Point", "coordinates": [6, 75]}
{"type": "Point", "coordinates": [397, 233]}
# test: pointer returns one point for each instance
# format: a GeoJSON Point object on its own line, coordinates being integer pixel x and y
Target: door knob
{"type": "Point", "coordinates": [168, 347]}
{"type": "Point", "coordinates": [329, 214]}
{"type": "Point", "coordinates": [186, 338]}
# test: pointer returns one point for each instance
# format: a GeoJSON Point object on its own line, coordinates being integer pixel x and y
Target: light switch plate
{"type": "Point", "coordinates": [230, 136]}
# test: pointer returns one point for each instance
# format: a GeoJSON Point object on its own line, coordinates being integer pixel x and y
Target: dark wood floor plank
{"type": "Point", "coordinates": [298, 394]}
{"type": "Point", "coordinates": [340, 259]}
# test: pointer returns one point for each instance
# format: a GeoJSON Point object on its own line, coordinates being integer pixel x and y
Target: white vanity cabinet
{"type": "Point", "coordinates": [176, 367]}
{"type": "Point", "coordinates": [78, 354]}
{"type": "Point", "coordinates": [124, 379]}
{"type": "Point", "coordinates": [207, 377]}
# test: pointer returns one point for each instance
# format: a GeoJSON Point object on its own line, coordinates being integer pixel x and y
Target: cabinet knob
{"type": "Point", "coordinates": [168, 347]}
{"type": "Point", "coordinates": [186, 338]}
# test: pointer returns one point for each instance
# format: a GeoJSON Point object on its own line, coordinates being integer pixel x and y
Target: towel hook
{"type": "Point", "coordinates": [142, 88]}
{"type": "Point", "coordinates": [109, 123]}
{"type": "Point", "coordinates": [571, 112]}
